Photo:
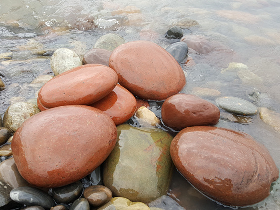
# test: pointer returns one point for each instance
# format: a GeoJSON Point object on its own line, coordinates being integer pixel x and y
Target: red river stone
{"type": "Point", "coordinates": [82, 85]}
{"type": "Point", "coordinates": [227, 166]}
{"type": "Point", "coordinates": [62, 145]}
{"type": "Point", "coordinates": [120, 104]}
{"type": "Point", "coordinates": [147, 70]}
{"type": "Point", "coordinates": [183, 110]}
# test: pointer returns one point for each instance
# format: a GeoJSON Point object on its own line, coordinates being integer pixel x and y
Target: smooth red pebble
{"type": "Point", "coordinates": [79, 86]}
{"type": "Point", "coordinates": [225, 165]}
{"type": "Point", "coordinates": [40, 106]}
{"type": "Point", "coordinates": [147, 70]}
{"type": "Point", "coordinates": [120, 105]}
{"type": "Point", "coordinates": [140, 103]}
{"type": "Point", "coordinates": [97, 56]}
{"type": "Point", "coordinates": [61, 145]}
{"type": "Point", "coordinates": [183, 110]}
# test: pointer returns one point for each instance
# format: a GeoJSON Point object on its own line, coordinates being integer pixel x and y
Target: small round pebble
{"type": "Point", "coordinates": [68, 193]}
{"type": "Point", "coordinates": [178, 50]}
{"type": "Point", "coordinates": [174, 33]}
{"type": "Point", "coordinates": [80, 204]}
{"type": "Point", "coordinates": [109, 42]}
{"type": "Point", "coordinates": [6, 150]}
{"type": "Point", "coordinates": [31, 196]}
{"type": "Point", "coordinates": [237, 105]}
{"type": "Point", "coordinates": [97, 195]}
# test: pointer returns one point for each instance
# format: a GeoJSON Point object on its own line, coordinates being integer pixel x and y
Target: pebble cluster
{"type": "Point", "coordinates": [78, 131]}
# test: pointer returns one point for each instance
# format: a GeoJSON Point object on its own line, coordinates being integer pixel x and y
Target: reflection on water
{"type": "Point", "coordinates": [243, 32]}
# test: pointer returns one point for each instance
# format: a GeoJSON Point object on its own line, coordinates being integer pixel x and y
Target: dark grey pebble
{"type": "Point", "coordinates": [95, 177]}
{"type": "Point", "coordinates": [174, 33]}
{"type": "Point", "coordinates": [68, 193]}
{"type": "Point", "coordinates": [34, 208]}
{"type": "Point", "coordinates": [80, 204]}
{"type": "Point", "coordinates": [178, 50]}
{"type": "Point", "coordinates": [5, 190]}
{"type": "Point", "coordinates": [31, 196]}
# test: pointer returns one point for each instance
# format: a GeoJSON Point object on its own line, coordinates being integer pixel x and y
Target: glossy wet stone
{"type": "Point", "coordinates": [5, 150]}
{"type": "Point", "coordinates": [147, 70]}
{"type": "Point", "coordinates": [97, 195]}
{"type": "Point", "coordinates": [80, 204]}
{"type": "Point", "coordinates": [58, 207]}
{"type": "Point", "coordinates": [37, 145]}
{"type": "Point", "coordinates": [165, 202]}
{"type": "Point", "coordinates": [68, 193]}
{"type": "Point", "coordinates": [17, 113]}
{"type": "Point", "coordinates": [227, 166]}
{"type": "Point", "coordinates": [31, 196]}
{"type": "Point", "coordinates": [63, 60]}
{"type": "Point", "coordinates": [5, 190]}
{"type": "Point", "coordinates": [179, 50]}
{"type": "Point", "coordinates": [82, 85]}
{"type": "Point", "coordinates": [237, 105]}
{"type": "Point", "coordinates": [120, 104]}
{"type": "Point", "coordinates": [174, 33]}
{"type": "Point", "coordinates": [146, 116]}
{"type": "Point", "coordinates": [5, 134]}
{"type": "Point", "coordinates": [96, 177]}
{"type": "Point", "coordinates": [141, 153]}
{"type": "Point", "coordinates": [9, 174]}
{"type": "Point", "coordinates": [183, 110]}
{"type": "Point", "coordinates": [97, 56]}
{"type": "Point", "coordinates": [119, 203]}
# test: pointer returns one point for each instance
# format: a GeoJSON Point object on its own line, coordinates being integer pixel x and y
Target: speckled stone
{"type": "Point", "coordinates": [82, 85]}
{"type": "Point", "coordinates": [141, 153]}
{"type": "Point", "coordinates": [17, 113]}
{"type": "Point", "coordinates": [183, 110]}
{"type": "Point", "coordinates": [63, 60]}
{"type": "Point", "coordinates": [237, 105]}
{"type": "Point", "coordinates": [109, 42]}
{"type": "Point", "coordinates": [120, 104]}
{"type": "Point", "coordinates": [227, 166]}
{"type": "Point", "coordinates": [97, 56]}
{"type": "Point", "coordinates": [73, 128]}
{"type": "Point", "coordinates": [147, 70]}
{"type": "Point", "coordinates": [97, 195]}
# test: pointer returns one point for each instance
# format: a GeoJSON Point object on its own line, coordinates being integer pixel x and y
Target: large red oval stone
{"type": "Point", "coordinates": [62, 145]}
{"type": "Point", "coordinates": [183, 110]}
{"type": "Point", "coordinates": [147, 70]}
{"type": "Point", "coordinates": [82, 85]}
{"type": "Point", "coordinates": [227, 166]}
{"type": "Point", "coordinates": [120, 104]}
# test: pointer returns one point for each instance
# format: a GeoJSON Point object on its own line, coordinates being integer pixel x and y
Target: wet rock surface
{"type": "Point", "coordinates": [97, 195]}
{"type": "Point", "coordinates": [68, 193]}
{"type": "Point", "coordinates": [184, 110]}
{"type": "Point", "coordinates": [179, 50]}
{"type": "Point", "coordinates": [119, 203]}
{"type": "Point", "coordinates": [73, 128]}
{"type": "Point", "coordinates": [135, 75]}
{"type": "Point", "coordinates": [80, 204]}
{"type": "Point", "coordinates": [227, 166]}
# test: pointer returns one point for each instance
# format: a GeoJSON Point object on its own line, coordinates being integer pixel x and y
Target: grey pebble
{"type": "Point", "coordinates": [80, 204]}
{"type": "Point", "coordinates": [178, 50]}
{"type": "Point", "coordinates": [68, 193]}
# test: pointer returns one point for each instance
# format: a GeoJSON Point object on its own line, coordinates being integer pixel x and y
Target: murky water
{"type": "Point", "coordinates": [246, 32]}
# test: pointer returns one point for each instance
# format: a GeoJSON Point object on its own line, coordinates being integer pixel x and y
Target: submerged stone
{"type": "Point", "coordinates": [139, 168]}
{"type": "Point", "coordinates": [178, 50]}
{"type": "Point", "coordinates": [109, 42]}
{"type": "Point", "coordinates": [120, 203]}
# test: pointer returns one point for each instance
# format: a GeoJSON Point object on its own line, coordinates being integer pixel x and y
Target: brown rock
{"type": "Point", "coordinates": [82, 85]}
{"type": "Point", "coordinates": [97, 56]}
{"type": "Point", "coordinates": [227, 166]}
{"type": "Point", "coordinates": [5, 134]}
{"type": "Point", "coordinates": [98, 195]}
{"type": "Point", "coordinates": [183, 110]}
{"type": "Point", "coordinates": [120, 104]}
{"type": "Point", "coordinates": [147, 70]}
{"type": "Point", "coordinates": [61, 145]}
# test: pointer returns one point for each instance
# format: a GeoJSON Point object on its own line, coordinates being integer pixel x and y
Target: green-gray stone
{"type": "Point", "coordinates": [237, 105]}
{"type": "Point", "coordinates": [139, 167]}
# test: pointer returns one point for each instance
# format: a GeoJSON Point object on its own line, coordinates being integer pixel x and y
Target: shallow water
{"type": "Point", "coordinates": [242, 31]}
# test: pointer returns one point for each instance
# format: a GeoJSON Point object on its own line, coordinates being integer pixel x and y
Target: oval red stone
{"type": "Point", "coordinates": [120, 104]}
{"type": "Point", "coordinates": [82, 85]}
{"type": "Point", "coordinates": [227, 166]}
{"type": "Point", "coordinates": [183, 110]}
{"type": "Point", "coordinates": [147, 70]}
{"type": "Point", "coordinates": [62, 145]}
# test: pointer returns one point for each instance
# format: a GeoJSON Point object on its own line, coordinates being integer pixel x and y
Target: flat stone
{"type": "Point", "coordinates": [17, 113]}
{"type": "Point", "coordinates": [199, 91]}
{"type": "Point", "coordinates": [39, 141]}
{"type": "Point", "coordinates": [82, 85]}
{"type": "Point", "coordinates": [64, 59]}
{"type": "Point", "coordinates": [97, 56]}
{"type": "Point", "coordinates": [147, 70]}
{"type": "Point", "coordinates": [141, 153]}
{"type": "Point", "coordinates": [179, 50]}
{"type": "Point", "coordinates": [183, 110]}
{"type": "Point", "coordinates": [237, 105]}
{"type": "Point", "coordinates": [31, 196]}
{"type": "Point", "coordinates": [120, 104]}
{"type": "Point", "coordinates": [97, 195]}
{"type": "Point", "coordinates": [109, 42]}
{"type": "Point", "coordinates": [68, 193]}
{"type": "Point", "coordinates": [9, 174]}
{"type": "Point", "coordinates": [42, 79]}
{"type": "Point", "coordinates": [225, 165]}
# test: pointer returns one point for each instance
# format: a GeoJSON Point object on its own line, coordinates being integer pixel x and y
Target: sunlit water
{"type": "Point", "coordinates": [248, 31]}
